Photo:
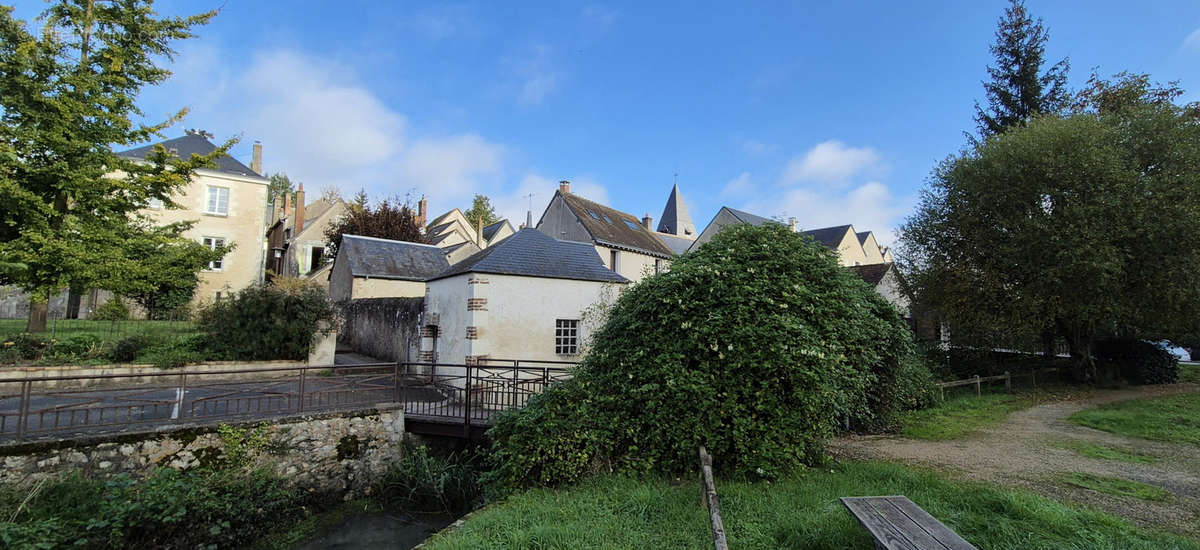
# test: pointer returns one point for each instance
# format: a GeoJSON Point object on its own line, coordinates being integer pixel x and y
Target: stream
{"type": "Point", "coordinates": [379, 531]}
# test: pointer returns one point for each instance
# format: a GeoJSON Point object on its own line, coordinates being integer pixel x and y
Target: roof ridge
{"type": "Point", "coordinates": [344, 235]}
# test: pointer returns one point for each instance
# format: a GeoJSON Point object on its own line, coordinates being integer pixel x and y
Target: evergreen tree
{"type": "Point", "coordinates": [67, 97]}
{"type": "Point", "coordinates": [481, 211]}
{"type": "Point", "coordinates": [392, 219]}
{"type": "Point", "coordinates": [1018, 88]}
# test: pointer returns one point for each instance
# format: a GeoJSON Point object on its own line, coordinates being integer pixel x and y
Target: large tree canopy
{"type": "Point", "coordinates": [482, 213]}
{"type": "Point", "coordinates": [67, 97]}
{"type": "Point", "coordinates": [1019, 89]}
{"type": "Point", "coordinates": [1080, 226]}
{"type": "Point", "coordinates": [392, 219]}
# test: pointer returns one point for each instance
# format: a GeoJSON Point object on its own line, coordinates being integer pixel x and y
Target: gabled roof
{"type": "Point", "coordinates": [439, 219]}
{"type": "Point", "coordinates": [872, 273]}
{"type": "Point", "coordinates": [611, 227]}
{"type": "Point", "coordinates": [747, 217]}
{"type": "Point", "coordinates": [862, 237]}
{"type": "Point", "coordinates": [490, 231]}
{"type": "Point", "coordinates": [387, 259]}
{"type": "Point", "coordinates": [675, 219]}
{"type": "Point", "coordinates": [187, 145]}
{"type": "Point", "coordinates": [831, 237]}
{"type": "Point", "coordinates": [531, 253]}
{"type": "Point", "coordinates": [678, 245]}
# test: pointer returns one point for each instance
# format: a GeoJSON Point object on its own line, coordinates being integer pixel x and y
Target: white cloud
{"type": "Point", "coordinates": [831, 162]}
{"type": "Point", "coordinates": [869, 207]}
{"type": "Point", "coordinates": [450, 167]}
{"type": "Point", "coordinates": [535, 75]}
{"type": "Point", "coordinates": [1192, 40]}
{"type": "Point", "coordinates": [738, 187]}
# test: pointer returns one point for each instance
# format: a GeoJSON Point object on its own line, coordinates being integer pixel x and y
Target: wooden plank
{"type": "Point", "coordinates": [943, 534]}
{"type": "Point", "coordinates": [710, 496]}
{"type": "Point", "coordinates": [916, 532]}
{"type": "Point", "coordinates": [886, 535]}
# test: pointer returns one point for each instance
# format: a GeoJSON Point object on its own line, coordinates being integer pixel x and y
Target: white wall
{"type": "Point", "coordinates": [447, 300]}
{"type": "Point", "coordinates": [631, 265]}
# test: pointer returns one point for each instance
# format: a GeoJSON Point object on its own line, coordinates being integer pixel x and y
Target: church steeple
{"type": "Point", "coordinates": [675, 219]}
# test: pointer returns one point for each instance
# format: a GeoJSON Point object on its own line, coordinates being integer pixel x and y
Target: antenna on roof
{"type": "Point", "coordinates": [529, 213]}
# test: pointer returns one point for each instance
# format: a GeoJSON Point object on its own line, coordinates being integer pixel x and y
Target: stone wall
{"type": "Point", "coordinates": [383, 328]}
{"type": "Point", "coordinates": [334, 453]}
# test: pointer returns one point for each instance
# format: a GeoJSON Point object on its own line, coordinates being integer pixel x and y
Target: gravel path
{"type": "Point", "coordinates": [1025, 450]}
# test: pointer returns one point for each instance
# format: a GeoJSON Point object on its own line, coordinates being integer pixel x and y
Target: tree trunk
{"type": "Point", "coordinates": [1048, 354]}
{"type": "Point", "coordinates": [1080, 344]}
{"type": "Point", "coordinates": [38, 307]}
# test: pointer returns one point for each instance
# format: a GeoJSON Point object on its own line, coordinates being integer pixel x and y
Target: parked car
{"type": "Point", "coordinates": [1180, 353]}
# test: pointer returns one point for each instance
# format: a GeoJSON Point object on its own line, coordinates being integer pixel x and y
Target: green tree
{"type": "Point", "coordinates": [67, 97]}
{"type": "Point", "coordinates": [280, 186]}
{"type": "Point", "coordinates": [167, 266]}
{"type": "Point", "coordinates": [481, 211]}
{"type": "Point", "coordinates": [1018, 89]}
{"type": "Point", "coordinates": [1081, 226]}
{"type": "Point", "coordinates": [392, 219]}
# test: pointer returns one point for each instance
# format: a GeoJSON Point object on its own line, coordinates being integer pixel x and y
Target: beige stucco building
{"type": "Point", "coordinates": [523, 298]}
{"type": "Point", "coordinates": [296, 239]}
{"type": "Point", "coordinates": [228, 205]}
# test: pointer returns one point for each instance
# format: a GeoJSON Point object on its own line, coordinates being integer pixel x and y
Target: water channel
{"type": "Point", "coordinates": [379, 531]}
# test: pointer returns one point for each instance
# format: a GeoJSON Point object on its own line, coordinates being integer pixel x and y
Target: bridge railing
{"type": "Point", "coordinates": [448, 392]}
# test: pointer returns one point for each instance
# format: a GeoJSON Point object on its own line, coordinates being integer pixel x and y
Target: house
{"type": "Point", "coordinates": [367, 267]}
{"type": "Point", "coordinates": [626, 245]}
{"type": "Point", "coordinates": [522, 298]}
{"type": "Point", "coordinates": [228, 205]}
{"type": "Point", "coordinates": [296, 239]}
{"type": "Point", "coordinates": [853, 248]}
{"type": "Point", "coordinates": [885, 279]}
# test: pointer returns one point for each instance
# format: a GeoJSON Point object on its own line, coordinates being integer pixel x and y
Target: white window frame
{"type": "Point", "coordinates": [212, 243]}
{"type": "Point", "coordinates": [155, 204]}
{"type": "Point", "coordinates": [212, 201]}
{"type": "Point", "coordinates": [566, 336]}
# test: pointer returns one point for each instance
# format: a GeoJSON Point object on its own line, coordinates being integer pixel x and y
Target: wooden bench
{"type": "Point", "coordinates": [899, 524]}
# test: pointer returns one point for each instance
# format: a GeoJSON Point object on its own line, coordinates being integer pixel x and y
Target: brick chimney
{"type": "Point", "coordinates": [792, 224]}
{"type": "Point", "coordinates": [287, 203]}
{"type": "Point", "coordinates": [564, 186]}
{"type": "Point", "coordinates": [299, 210]}
{"type": "Point", "coordinates": [479, 233]}
{"type": "Point", "coordinates": [422, 210]}
{"type": "Point", "coordinates": [256, 159]}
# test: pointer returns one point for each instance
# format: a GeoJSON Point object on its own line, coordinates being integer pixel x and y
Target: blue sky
{"type": "Point", "coordinates": [832, 113]}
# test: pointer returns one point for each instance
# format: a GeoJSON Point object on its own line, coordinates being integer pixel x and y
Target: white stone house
{"type": "Point", "coordinates": [522, 298]}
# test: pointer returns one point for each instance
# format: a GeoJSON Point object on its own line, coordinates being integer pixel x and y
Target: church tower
{"type": "Point", "coordinates": [675, 219]}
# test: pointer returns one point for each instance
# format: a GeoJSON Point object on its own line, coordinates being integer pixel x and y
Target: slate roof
{"type": "Point", "coordinates": [490, 231]}
{"type": "Point", "coordinates": [831, 237]}
{"type": "Point", "coordinates": [449, 249]}
{"type": "Point", "coordinates": [873, 273]}
{"type": "Point", "coordinates": [675, 219]}
{"type": "Point", "coordinates": [611, 227]}
{"type": "Point", "coordinates": [749, 218]}
{"type": "Point", "coordinates": [439, 219]}
{"type": "Point", "coordinates": [191, 144]}
{"type": "Point", "coordinates": [387, 259]}
{"type": "Point", "coordinates": [679, 245]}
{"type": "Point", "coordinates": [531, 253]}
{"type": "Point", "coordinates": [862, 237]}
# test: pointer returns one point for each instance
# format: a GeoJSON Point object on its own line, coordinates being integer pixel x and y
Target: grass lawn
{"type": "Point", "coordinates": [1189, 372]}
{"type": "Point", "coordinates": [801, 511]}
{"type": "Point", "coordinates": [959, 416]}
{"type": "Point", "coordinates": [107, 331]}
{"type": "Point", "coordinates": [1118, 486]}
{"type": "Point", "coordinates": [1174, 419]}
{"type": "Point", "coordinates": [1105, 452]}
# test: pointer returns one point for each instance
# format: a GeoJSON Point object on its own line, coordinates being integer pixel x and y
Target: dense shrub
{"type": "Point", "coordinates": [112, 310]}
{"type": "Point", "coordinates": [421, 481]}
{"type": "Point", "coordinates": [127, 349]}
{"type": "Point", "coordinates": [25, 346]}
{"type": "Point", "coordinates": [79, 346]}
{"type": "Point", "coordinates": [262, 323]}
{"type": "Point", "coordinates": [1138, 361]}
{"type": "Point", "coordinates": [914, 386]}
{"type": "Point", "coordinates": [756, 345]}
{"type": "Point", "coordinates": [169, 509]}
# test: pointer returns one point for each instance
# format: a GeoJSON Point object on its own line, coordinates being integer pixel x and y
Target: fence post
{"type": "Point", "coordinates": [978, 390]}
{"type": "Point", "coordinates": [467, 406]}
{"type": "Point", "coordinates": [1007, 381]}
{"type": "Point", "coordinates": [23, 414]}
{"type": "Point", "coordinates": [396, 382]}
{"type": "Point", "coordinates": [710, 500]}
{"type": "Point", "coordinates": [180, 411]}
{"type": "Point", "coordinates": [516, 381]}
{"type": "Point", "coordinates": [300, 404]}
{"type": "Point", "coordinates": [1034, 375]}
{"type": "Point", "coordinates": [941, 393]}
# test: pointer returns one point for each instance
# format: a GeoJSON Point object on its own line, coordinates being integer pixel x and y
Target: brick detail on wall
{"type": "Point", "coordinates": [477, 281]}
{"type": "Point", "coordinates": [429, 331]}
{"type": "Point", "coordinates": [476, 304]}
{"type": "Point", "coordinates": [425, 356]}
{"type": "Point", "coordinates": [472, 333]}
{"type": "Point", "coordinates": [476, 359]}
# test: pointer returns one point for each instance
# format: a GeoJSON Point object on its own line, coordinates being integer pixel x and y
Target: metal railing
{"type": "Point", "coordinates": [447, 393]}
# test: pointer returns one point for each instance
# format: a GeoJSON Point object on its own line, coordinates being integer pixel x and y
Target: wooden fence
{"type": "Point", "coordinates": [709, 497]}
{"type": "Point", "coordinates": [978, 381]}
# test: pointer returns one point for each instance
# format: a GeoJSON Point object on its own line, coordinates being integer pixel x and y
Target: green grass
{"type": "Point", "coordinates": [800, 511]}
{"type": "Point", "coordinates": [108, 331]}
{"type": "Point", "coordinates": [1105, 452]}
{"type": "Point", "coordinates": [1189, 372]}
{"type": "Point", "coordinates": [1118, 486]}
{"type": "Point", "coordinates": [957, 417]}
{"type": "Point", "coordinates": [1174, 419]}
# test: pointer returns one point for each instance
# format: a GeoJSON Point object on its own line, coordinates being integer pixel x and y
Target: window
{"type": "Point", "coordinates": [213, 243]}
{"type": "Point", "coordinates": [633, 226]}
{"type": "Point", "coordinates": [566, 336]}
{"type": "Point", "coordinates": [593, 215]}
{"type": "Point", "coordinates": [612, 260]}
{"type": "Point", "coordinates": [218, 200]}
{"type": "Point", "coordinates": [314, 257]}
{"type": "Point", "coordinates": [657, 266]}
{"type": "Point", "coordinates": [156, 204]}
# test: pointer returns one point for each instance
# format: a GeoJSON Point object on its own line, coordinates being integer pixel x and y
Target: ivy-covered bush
{"type": "Point", "coordinates": [127, 349]}
{"type": "Point", "coordinates": [757, 345]}
{"type": "Point", "coordinates": [1138, 361]}
{"type": "Point", "coordinates": [112, 310]}
{"type": "Point", "coordinates": [265, 322]}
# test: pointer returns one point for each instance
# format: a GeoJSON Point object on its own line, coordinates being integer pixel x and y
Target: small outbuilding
{"type": "Point", "coordinates": [367, 267]}
{"type": "Point", "coordinates": [522, 298]}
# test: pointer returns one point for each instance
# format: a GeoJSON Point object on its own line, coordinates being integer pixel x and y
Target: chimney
{"type": "Point", "coordinates": [479, 233]}
{"type": "Point", "coordinates": [256, 160]}
{"type": "Point", "coordinates": [648, 222]}
{"type": "Point", "coordinates": [422, 206]}
{"type": "Point", "coordinates": [792, 224]}
{"type": "Point", "coordinates": [287, 202]}
{"type": "Point", "coordinates": [564, 186]}
{"type": "Point", "coordinates": [299, 210]}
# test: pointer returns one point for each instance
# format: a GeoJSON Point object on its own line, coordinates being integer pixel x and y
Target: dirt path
{"type": "Point", "coordinates": [1024, 450]}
